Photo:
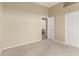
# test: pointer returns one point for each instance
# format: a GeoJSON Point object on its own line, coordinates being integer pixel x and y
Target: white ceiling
{"type": "Point", "coordinates": [47, 4]}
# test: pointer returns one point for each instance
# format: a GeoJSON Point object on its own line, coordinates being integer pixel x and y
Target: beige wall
{"type": "Point", "coordinates": [59, 13]}
{"type": "Point", "coordinates": [22, 23]}
{"type": "Point", "coordinates": [1, 27]}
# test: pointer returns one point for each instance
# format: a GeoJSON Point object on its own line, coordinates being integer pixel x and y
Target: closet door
{"type": "Point", "coordinates": [72, 28]}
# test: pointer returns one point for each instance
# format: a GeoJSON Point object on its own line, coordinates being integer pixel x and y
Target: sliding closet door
{"type": "Point", "coordinates": [72, 28]}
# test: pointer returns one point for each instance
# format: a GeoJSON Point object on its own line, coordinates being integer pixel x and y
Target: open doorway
{"type": "Point", "coordinates": [44, 28]}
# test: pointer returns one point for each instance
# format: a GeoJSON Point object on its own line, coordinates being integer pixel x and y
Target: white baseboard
{"type": "Point", "coordinates": [20, 44]}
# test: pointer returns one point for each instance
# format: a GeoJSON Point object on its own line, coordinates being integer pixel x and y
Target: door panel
{"type": "Point", "coordinates": [51, 28]}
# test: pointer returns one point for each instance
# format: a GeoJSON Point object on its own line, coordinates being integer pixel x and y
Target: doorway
{"type": "Point", "coordinates": [48, 30]}
{"type": "Point", "coordinates": [44, 28]}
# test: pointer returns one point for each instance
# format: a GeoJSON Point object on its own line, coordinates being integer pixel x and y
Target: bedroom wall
{"type": "Point", "coordinates": [22, 23]}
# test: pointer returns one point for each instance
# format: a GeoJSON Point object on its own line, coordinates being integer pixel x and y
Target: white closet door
{"type": "Point", "coordinates": [51, 28]}
{"type": "Point", "coordinates": [72, 28]}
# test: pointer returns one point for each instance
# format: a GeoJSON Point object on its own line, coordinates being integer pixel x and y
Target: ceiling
{"type": "Point", "coordinates": [47, 4]}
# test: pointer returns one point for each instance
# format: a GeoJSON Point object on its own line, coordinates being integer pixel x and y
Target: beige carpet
{"type": "Point", "coordinates": [42, 48]}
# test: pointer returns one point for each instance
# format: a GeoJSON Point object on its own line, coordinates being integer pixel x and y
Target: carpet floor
{"type": "Point", "coordinates": [42, 48]}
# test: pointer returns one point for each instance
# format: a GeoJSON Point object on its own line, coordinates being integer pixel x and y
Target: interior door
{"type": "Point", "coordinates": [51, 28]}
{"type": "Point", "coordinates": [72, 28]}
